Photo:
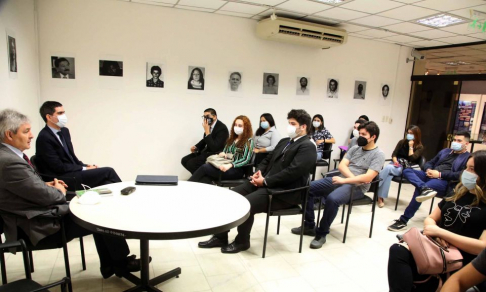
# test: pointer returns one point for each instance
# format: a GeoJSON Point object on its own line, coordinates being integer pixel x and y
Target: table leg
{"type": "Point", "coordinates": [472, 147]}
{"type": "Point", "coordinates": [145, 284]}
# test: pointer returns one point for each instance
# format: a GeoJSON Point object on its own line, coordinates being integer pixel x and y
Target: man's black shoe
{"type": "Point", "coordinates": [311, 231]}
{"type": "Point", "coordinates": [425, 194]}
{"type": "Point", "coordinates": [213, 242]}
{"type": "Point", "coordinates": [235, 248]}
{"type": "Point", "coordinates": [130, 265]}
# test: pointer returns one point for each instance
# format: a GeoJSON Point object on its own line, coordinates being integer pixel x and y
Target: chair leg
{"type": "Point", "coordinates": [319, 213]}
{"type": "Point", "coordinates": [31, 261]}
{"type": "Point", "coordinates": [328, 165]}
{"type": "Point", "coordinates": [431, 205]}
{"type": "Point", "coordinates": [81, 246]}
{"type": "Point", "coordinates": [278, 225]}
{"type": "Point", "coordinates": [398, 194]}
{"type": "Point", "coordinates": [301, 231]}
{"type": "Point", "coordinates": [2, 265]}
{"type": "Point", "coordinates": [66, 255]}
{"type": "Point", "coordinates": [373, 213]}
{"type": "Point", "coordinates": [342, 217]}
{"type": "Point", "coordinates": [347, 222]}
{"type": "Point", "coordinates": [266, 234]}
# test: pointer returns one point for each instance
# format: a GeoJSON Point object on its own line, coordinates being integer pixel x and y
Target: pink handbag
{"type": "Point", "coordinates": [430, 256]}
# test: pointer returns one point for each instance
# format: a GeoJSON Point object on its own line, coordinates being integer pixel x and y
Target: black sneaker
{"type": "Point", "coordinates": [397, 226]}
{"type": "Point", "coordinates": [425, 194]}
{"type": "Point", "coordinates": [307, 231]}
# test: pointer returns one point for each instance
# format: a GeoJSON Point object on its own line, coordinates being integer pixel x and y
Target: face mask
{"type": "Point", "coordinates": [264, 125]}
{"type": "Point", "coordinates": [238, 130]}
{"type": "Point", "coordinates": [456, 146]}
{"type": "Point", "coordinates": [362, 141]}
{"type": "Point", "coordinates": [469, 180]}
{"type": "Point", "coordinates": [355, 133]}
{"type": "Point", "coordinates": [209, 119]}
{"type": "Point", "coordinates": [316, 124]}
{"type": "Point", "coordinates": [292, 131]}
{"type": "Point", "coordinates": [62, 121]}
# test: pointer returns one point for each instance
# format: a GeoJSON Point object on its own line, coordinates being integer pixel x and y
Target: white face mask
{"type": "Point", "coordinates": [292, 131]}
{"type": "Point", "coordinates": [62, 121]}
{"type": "Point", "coordinates": [238, 130]}
{"type": "Point", "coordinates": [316, 124]}
{"type": "Point", "coordinates": [355, 133]}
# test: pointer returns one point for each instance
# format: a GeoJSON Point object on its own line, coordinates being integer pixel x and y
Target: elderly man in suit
{"type": "Point", "coordinates": [24, 194]}
{"type": "Point", "coordinates": [287, 167]}
{"type": "Point", "coordinates": [55, 152]}
{"type": "Point", "coordinates": [215, 136]}
{"type": "Point", "coordinates": [62, 69]}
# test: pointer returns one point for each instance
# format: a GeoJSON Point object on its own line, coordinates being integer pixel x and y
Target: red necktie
{"type": "Point", "coordinates": [26, 158]}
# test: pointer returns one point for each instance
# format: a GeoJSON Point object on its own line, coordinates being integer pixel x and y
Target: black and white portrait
{"type": "Point", "coordinates": [270, 83]}
{"type": "Point", "coordinates": [63, 67]}
{"type": "Point", "coordinates": [303, 84]}
{"type": "Point", "coordinates": [12, 54]}
{"type": "Point", "coordinates": [154, 75]}
{"type": "Point", "coordinates": [235, 81]}
{"type": "Point", "coordinates": [332, 88]}
{"type": "Point", "coordinates": [196, 78]}
{"type": "Point", "coordinates": [385, 90]}
{"type": "Point", "coordinates": [359, 89]}
{"type": "Point", "coordinates": [111, 68]}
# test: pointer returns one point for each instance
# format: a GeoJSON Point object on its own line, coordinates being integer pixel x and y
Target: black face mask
{"type": "Point", "coordinates": [362, 141]}
{"type": "Point", "coordinates": [209, 119]}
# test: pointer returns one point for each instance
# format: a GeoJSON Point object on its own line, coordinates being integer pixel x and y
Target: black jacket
{"type": "Point", "coordinates": [214, 142]}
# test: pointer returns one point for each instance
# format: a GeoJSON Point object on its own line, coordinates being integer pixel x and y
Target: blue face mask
{"type": "Point", "coordinates": [264, 125]}
{"type": "Point", "coordinates": [456, 146]}
{"type": "Point", "coordinates": [410, 137]}
{"type": "Point", "coordinates": [469, 180]}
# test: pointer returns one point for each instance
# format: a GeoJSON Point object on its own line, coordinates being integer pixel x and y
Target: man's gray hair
{"type": "Point", "coordinates": [11, 120]}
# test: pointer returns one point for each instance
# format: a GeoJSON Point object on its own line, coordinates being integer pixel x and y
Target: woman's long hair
{"type": "Point", "coordinates": [321, 127]}
{"type": "Point", "coordinates": [270, 121]}
{"type": "Point", "coordinates": [417, 135]}
{"type": "Point", "coordinates": [201, 78]}
{"type": "Point", "coordinates": [243, 138]}
{"type": "Point", "coordinates": [480, 170]}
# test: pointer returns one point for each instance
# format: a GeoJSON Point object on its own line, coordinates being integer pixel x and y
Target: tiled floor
{"type": "Point", "coordinates": [358, 265]}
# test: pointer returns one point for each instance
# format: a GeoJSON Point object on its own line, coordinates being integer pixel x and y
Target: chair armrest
{"type": "Point", "coordinates": [279, 192]}
{"type": "Point", "coordinates": [331, 173]}
{"type": "Point", "coordinates": [20, 243]}
{"type": "Point", "coordinates": [389, 159]}
{"type": "Point", "coordinates": [64, 281]}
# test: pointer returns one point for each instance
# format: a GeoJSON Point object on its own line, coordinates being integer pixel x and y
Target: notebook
{"type": "Point", "coordinates": [157, 180]}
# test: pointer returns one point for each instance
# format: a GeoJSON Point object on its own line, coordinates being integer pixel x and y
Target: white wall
{"type": "Point", "coordinates": [22, 93]}
{"type": "Point", "coordinates": [138, 131]}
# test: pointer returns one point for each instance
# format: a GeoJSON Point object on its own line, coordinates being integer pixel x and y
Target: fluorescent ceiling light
{"type": "Point", "coordinates": [440, 20]}
{"type": "Point", "coordinates": [457, 63]}
{"type": "Point", "coordinates": [330, 1]}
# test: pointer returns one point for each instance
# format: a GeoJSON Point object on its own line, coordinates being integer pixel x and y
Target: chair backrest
{"type": "Point", "coordinates": [422, 162]}
{"type": "Point", "coordinates": [249, 168]}
{"type": "Point", "coordinates": [32, 160]}
{"type": "Point", "coordinates": [374, 187]}
{"type": "Point", "coordinates": [327, 151]}
{"type": "Point", "coordinates": [303, 193]}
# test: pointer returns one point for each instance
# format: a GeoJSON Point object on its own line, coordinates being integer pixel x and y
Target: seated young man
{"type": "Point", "coordinates": [446, 166]}
{"type": "Point", "coordinates": [360, 165]}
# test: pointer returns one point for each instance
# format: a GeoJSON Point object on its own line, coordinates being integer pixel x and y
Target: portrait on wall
{"type": "Point", "coordinates": [234, 81]}
{"type": "Point", "coordinates": [111, 68]}
{"type": "Point", "coordinates": [332, 88]}
{"type": "Point", "coordinates": [303, 85]}
{"type": "Point", "coordinates": [385, 94]}
{"type": "Point", "coordinates": [12, 54]}
{"type": "Point", "coordinates": [63, 67]}
{"type": "Point", "coordinates": [155, 75]}
{"type": "Point", "coordinates": [196, 78]}
{"type": "Point", "coordinates": [359, 89]}
{"type": "Point", "coordinates": [270, 83]}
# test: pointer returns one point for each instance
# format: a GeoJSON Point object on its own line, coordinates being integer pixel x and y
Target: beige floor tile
{"type": "Point", "coordinates": [220, 264]}
{"type": "Point", "coordinates": [270, 269]}
{"type": "Point", "coordinates": [287, 285]}
{"type": "Point", "coordinates": [233, 282]}
{"type": "Point", "coordinates": [192, 279]}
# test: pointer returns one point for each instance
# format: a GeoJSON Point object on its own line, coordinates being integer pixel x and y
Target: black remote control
{"type": "Point", "coordinates": [128, 190]}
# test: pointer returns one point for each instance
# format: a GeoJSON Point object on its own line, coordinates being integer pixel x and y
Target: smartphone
{"type": "Point", "coordinates": [103, 191]}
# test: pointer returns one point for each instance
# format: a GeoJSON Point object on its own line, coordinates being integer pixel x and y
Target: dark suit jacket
{"type": "Point", "coordinates": [458, 165]}
{"type": "Point", "coordinates": [22, 192]}
{"type": "Point", "coordinates": [56, 74]}
{"type": "Point", "coordinates": [214, 142]}
{"type": "Point", "coordinates": [50, 156]}
{"type": "Point", "coordinates": [290, 169]}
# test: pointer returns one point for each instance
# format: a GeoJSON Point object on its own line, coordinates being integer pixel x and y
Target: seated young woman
{"type": "Point", "coordinates": [410, 149]}
{"type": "Point", "coordinates": [459, 220]}
{"type": "Point", "coordinates": [266, 137]}
{"type": "Point", "coordinates": [320, 135]}
{"type": "Point", "coordinates": [240, 145]}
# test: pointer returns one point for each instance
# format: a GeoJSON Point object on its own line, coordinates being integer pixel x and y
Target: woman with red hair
{"type": "Point", "coordinates": [240, 145]}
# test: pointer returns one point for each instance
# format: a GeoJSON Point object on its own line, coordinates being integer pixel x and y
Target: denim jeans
{"type": "Point", "coordinates": [319, 156]}
{"type": "Point", "coordinates": [418, 179]}
{"type": "Point", "coordinates": [386, 174]}
{"type": "Point", "coordinates": [335, 196]}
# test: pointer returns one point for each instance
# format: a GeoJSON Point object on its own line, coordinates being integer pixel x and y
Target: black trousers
{"type": "Point", "coordinates": [92, 178]}
{"type": "Point", "coordinates": [193, 161]}
{"type": "Point", "coordinates": [112, 251]}
{"type": "Point", "coordinates": [258, 198]}
{"type": "Point", "coordinates": [207, 173]}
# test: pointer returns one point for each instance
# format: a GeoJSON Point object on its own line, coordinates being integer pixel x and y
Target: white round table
{"type": "Point", "coordinates": [162, 212]}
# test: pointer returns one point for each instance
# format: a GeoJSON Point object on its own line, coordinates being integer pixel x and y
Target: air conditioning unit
{"type": "Point", "coordinates": [301, 33]}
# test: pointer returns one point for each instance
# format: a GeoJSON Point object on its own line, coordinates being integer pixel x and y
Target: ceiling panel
{"type": "Point", "coordinates": [155, 3]}
{"type": "Point", "coordinates": [211, 4]}
{"type": "Point", "coordinates": [431, 43]}
{"type": "Point", "coordinates": [355, 34]}
{"type": "Point", "coordinates": [282, 14]}
{"type": "Point", "coordinates": [320, 20]}
{"type": "Point", "coordinates": [377, 33]}
{"type": "Point", "coordinates": [306, 7]}
{"type": "Point", "coordinates": [231, 13]}
{"type": "Point", "coordinates": [406, 27]}
{"type": "Point", "coordinates": [459, 39]}
{"type": "Point", "coordinates": [408, 12]}
{"type": "Point", "coordinates": [447, 5]}
{"type": "Point", "coordinates": [194, 8]}
{"type": "Point", "coordinates": [408, 1]}
{"type": "Point", "coordinates": [351, 27]}
{"type": "Point", "coordinates": [467, 12]}
{"type": "Point", "coordinates": [402, 39]}
{"type": "Point", "coordinates": [266, 2]}
{"type": "Point", "coordinates": [243, 8]}
{"type": "Point", "coordinates": [480, 35]}
{"type": "Point", "coordinates": [372, 7]}
{"type": "Point", "coordinates": [433, 34]}
{"type": "Point", "coordinates": [376, 21]}
{"type": "Point", "coordinates": [342, 14]}
{"type": "Point", "coordinates": [462, 29]}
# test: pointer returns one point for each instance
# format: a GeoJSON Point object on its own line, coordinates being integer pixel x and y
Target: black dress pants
{"type": "Point", "coordinates": [193, 161]}
{"type": "Point", "coordinates": [258, 198]}
{"type": "Point", "coordinates": [112, 251]}
{"type": "Point", "coordinates": [92, 178]}
{"type": "Point", "coordinates": [207, 173]}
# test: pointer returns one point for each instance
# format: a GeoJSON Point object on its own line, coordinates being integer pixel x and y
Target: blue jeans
{"type": "Point", "coordinates": [319, 156]}
{"type": "Point", "coordinates": [386, 174]}
{"type": "Point", "coordinates": [418, 179]}
{"type": "Point", "coordinates": [335, 196]}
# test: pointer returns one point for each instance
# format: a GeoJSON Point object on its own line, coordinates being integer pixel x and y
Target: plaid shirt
{"type": "Point", "coordinates": [324, 134]}
{"type": "Point", "coordinates": [151, 83]}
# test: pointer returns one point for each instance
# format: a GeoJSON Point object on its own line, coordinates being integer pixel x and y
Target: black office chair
{"type": "Point", "coordinates": [401, 180]}
{"type": "Point", "coordinates": [231, 183]}
{"type": "Point", "coordinates": [2, 257]}
{"type": "Point", "coordinates": [295, 210]}
{"type": "Point", "coordinates": [26, 284]}
{"type": "Point", "coordinates": [449, 192]}
{"type": "Point", "coordinates": [366, 200]}
{"type": "Point", "coordinates": [326, 159]}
